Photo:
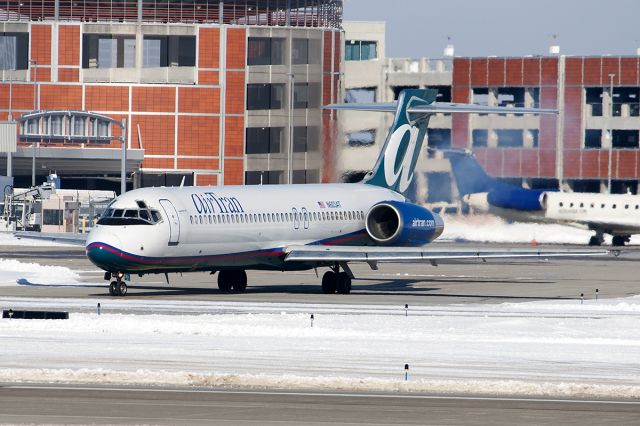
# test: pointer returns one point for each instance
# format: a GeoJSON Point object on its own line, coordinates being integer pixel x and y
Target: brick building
{"type": "Point", "coordinates": [220, 92]}
{"type": "Point", "coordinates": [599, 103]}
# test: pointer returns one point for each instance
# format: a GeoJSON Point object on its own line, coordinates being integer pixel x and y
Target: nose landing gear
{"type": "Point", "coordinates": [118, 287]}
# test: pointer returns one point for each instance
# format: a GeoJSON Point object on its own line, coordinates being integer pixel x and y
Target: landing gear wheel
{"type": "Point", "coordinates": [225, 278]}
{"type": "Point", "coordinates": [113, 288]}
{"type": "Point", "coordinates": [329, 282]}
{"type": "Point", "coordinates": [595, 241]}
{"type": "Point", "coordinates": [343, 283]}
{"type": "Point", "coordinates": [122, 288]}
{"type": "Point", "coordinates": [619, 240]}
{"type": "Point", "coordinates": [239, 281]}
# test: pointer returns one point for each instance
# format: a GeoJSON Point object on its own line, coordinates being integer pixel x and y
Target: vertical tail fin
{"type": "Point", "coordinates": [397, 161]}
{"type": "Point", "coordinates": [469, 174]}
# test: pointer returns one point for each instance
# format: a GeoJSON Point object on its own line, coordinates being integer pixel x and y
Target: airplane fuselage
{"type": "Point", "coordinates": [231, 227]}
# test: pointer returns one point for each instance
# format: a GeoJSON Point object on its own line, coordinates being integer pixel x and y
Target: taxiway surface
{"type": "Point", "coordinates": [415, 283]}
{"type": "Point", "coordinates": [70, 405]}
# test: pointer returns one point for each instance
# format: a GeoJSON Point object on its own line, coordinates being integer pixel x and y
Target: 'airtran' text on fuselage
{"type": "Point", "coordinates": [208, 202]}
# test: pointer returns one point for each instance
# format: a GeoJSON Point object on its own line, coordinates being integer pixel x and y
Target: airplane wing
{"type": "Point", "coordinates": [62, 237]}
{"type": "Point", "coordinates": [400, 254]}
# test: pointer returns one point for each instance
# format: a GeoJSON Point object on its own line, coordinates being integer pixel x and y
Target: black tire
{"type": "Point", "coordinates": [113, 288]}
{"type": "Point", "coordinates": [329, 282]}
{"type": "Point", "coordinates": [619, 240]}
{"type": "Point", "coordinates": [343, 283]}
{"type": "Point", "coordinates": [122, 289]}
{"type": "Point", "coordinates": [239, 281]}
{"type": "Point", "coordinates": [225, 279]}
{"type": "Point", "coordinates": [594, 241]}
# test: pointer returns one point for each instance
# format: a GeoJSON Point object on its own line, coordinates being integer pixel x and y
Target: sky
{"type": "Point", "coordinates": [419, 28]}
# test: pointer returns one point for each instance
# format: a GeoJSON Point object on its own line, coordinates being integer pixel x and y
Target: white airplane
{"type": "Point", "coordinates": [231, 229]}
{"type": "Point", "coordinates": [614, 214]}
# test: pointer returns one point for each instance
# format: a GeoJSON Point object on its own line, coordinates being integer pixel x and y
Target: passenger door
{"type": "Point", "coordinates": [171, 214]}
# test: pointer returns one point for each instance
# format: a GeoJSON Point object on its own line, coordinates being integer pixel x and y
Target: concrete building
{"type": "Point", "coordinates": [370, 76]}
{"type": "Point", "coordinates": [218, 92]}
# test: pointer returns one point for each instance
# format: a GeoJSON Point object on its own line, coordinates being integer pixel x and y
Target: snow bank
{"type": "Point", "coordinates": [492, 229]}
{"type": "Point", "coordinates": [314, 383]}
{"type": "Point", "coordinates": [14, 272]}
{"type": "Point", "coordinates": [559, 348]}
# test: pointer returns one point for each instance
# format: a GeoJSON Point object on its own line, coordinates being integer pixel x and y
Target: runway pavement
{"type": "Point", "coordinates": [416, 283]}
{"type": "Point", "coordinates": [104, 405]}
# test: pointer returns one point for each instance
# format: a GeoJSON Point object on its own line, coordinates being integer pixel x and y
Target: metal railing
{"type": "Point", "coordinates": [296, 13]}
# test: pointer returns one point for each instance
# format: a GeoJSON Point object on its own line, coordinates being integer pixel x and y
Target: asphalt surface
{"type": "Point", "coordinates": [69, 405]}
{"type": "Point", "coordinates": [418, 284]}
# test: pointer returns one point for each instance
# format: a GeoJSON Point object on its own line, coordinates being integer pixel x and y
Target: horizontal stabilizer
{"type": "Point", "coordinates": [440, 107]}
{"type": "Point", "coordinates": [403, 254]}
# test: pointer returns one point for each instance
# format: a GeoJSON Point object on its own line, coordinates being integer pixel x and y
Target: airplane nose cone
{"type": "Point", "coordinates": [102, 250]}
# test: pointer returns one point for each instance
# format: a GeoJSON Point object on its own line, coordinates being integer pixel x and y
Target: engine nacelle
{"type": "Point", "coordinates": [516, 199]}
{"type": "Point", "coordinates": [402, 224]}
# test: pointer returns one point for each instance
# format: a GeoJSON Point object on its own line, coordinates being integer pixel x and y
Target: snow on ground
{"type": "Point", "coordinates": [559, 348]}
{"type": "Point", "coordinates": [14, 272]}
{"type": "Point", "coordinates": [492, 229]}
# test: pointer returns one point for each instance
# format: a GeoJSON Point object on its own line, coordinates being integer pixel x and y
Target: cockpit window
{"type": "Point", "coordinates": [141, 216]}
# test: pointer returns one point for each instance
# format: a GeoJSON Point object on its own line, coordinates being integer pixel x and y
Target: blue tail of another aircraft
{"type": "Point", "coordinates": [469, 174]}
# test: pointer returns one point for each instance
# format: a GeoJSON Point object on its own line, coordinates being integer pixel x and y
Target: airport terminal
{"type": "Point", "coordinates": [255, 211]}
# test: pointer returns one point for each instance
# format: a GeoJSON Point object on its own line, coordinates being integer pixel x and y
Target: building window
{"type": "Point", "coordinates": [264, 96]}
{"type": "Point", "coordinates": [262, 177]}
{"type": "Point", "coordinates": [593, 97]}
{"type": "Point", "coordinates": [362, 138]}
{"type": "Point", "coordinates": [479, 138]}
{"type": "Point", "coordinates": [79, 126]}
{"type": "Point", "coordinates": [439, 187]}
{"type": "Point", "coordinates": [305, 139]}
{"type": "Point", "coordinates": [356, 50]}
{"type": "Point", "coordinates": [361, 95]}
{"type": "Point", "coordinates": [108, 51]}
{"type": "Point", "coordinates": [56, 125]}
{"type": "Point", "coordinates": [306, 95]}
{"type": "Point", "coordinates": [169, 51]}
{"type": "Point", "coordinates": [626, 96]}
{"type": "Point", "coordinates": [439, 138]}
{"type": "Point", "coordinates": [511, 96]}
{"type": "Point", "coordinates": [593, 138]}
{"type": "Point", "coordinates": [625, 138]}
{"type": "Point", "coordinates": [508, 138]}
{"type": "Point", "coordinates": [263, 140]}
{"type": "Point", "coordinates": [265, 51]}
{"type": "Point", "coordinates": [300, 51]}
{"type": "Point", "coordinates": [14, 51]}
{"type": "Point", "coordinates": [480, 96]}
{"type": "Point", "coordinates": [305, 176]}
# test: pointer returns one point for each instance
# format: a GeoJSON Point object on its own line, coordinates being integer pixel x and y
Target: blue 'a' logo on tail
{"type": "Point", "coordinates": [397, 162]}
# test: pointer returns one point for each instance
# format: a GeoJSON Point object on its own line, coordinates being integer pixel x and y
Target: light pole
{"type": "Point", "coordinates": [610, 137]}
{"type": "Point", "coordinates": [35, 108]}
{"type": "Point", "coordinates": [9, 159]}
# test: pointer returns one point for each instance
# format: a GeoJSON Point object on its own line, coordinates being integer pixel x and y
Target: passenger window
{"type": "Point", "coordinates": [560, 204]}
{"type": "Point", "coordinates": [602, 206]}
{"type": "Point", "coordinates": [626, 206]}
{"type": "Point", "coordinates": [581, 204]}
{"type": "Point", "coordinates": [637, 207]}
{"type": "Point", "coordinates": [592, 205]}
{"type": "Point", "coordinates": [200, 220]}
{"type": "Point", "coordinates": [191, 217]}
{"type": "Point", "coordinates": [614, 206]}
{"type": "Point", "coordinates": [570, 204]}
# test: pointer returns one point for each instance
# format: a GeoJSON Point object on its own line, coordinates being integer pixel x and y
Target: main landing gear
{"type": "Point", "coordinates": [597, 239]}
{"type": "Point", "coordinates": [620, 240]}
{"type": "Point", "coordinates": [232, 280]}
{"type": "Point", "coordinates": [118, 287]}
{"type": "Point", "coordinates": [335, 281]}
